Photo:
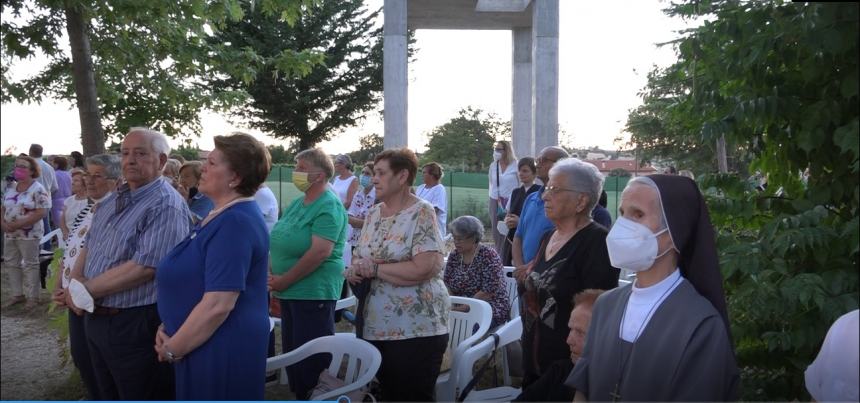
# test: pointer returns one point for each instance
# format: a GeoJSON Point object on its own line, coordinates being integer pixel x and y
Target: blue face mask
{"type": "Point", "coordinates": [364, 181]}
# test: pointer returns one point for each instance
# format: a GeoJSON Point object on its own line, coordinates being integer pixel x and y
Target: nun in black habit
{"type": "Point", "coordinates": [665, 337]}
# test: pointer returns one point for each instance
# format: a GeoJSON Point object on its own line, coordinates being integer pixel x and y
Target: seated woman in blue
{"type": "Point", "coordinates": [212, 292]}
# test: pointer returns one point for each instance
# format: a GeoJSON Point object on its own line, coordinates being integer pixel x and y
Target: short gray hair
{"type": "Point", "coordinates": [318, 158]}
{"type": "Point", "coordinates": [580, 177]}
{"type": "Point", "coordinates": [109, 162]}
{"type": "Point", "coordinates": [172, 164]}
{"type": "Point", "coordinates": [157, 139]}
{"type": "Point", "coordinates": [467, 226]}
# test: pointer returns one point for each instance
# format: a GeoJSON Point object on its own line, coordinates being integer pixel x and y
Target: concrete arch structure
{"type": "Point", "coordinates": [534, 57]}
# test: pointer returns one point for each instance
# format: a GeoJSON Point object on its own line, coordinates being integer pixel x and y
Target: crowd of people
{"type": "Point", "coordinates": [170, 268]}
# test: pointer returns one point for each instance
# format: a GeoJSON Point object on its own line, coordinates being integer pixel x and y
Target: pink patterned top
{"type": "Point", "coordinates": [18, 204]}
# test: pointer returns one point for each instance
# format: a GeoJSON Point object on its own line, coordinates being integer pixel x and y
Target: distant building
{"type": "Point", "coordinates": [595, 156]}
{"type": "Point", "coordinates": [202, 155]}
{"type": "Point", "coordinates": [607, 166]}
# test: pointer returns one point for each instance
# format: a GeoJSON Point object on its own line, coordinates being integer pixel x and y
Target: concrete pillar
{"type": "Point", "coordinates": [394, 71]}
{"type": "Point", "coordinates": [521, 99]}
{"type": "Point", "coordinates": [545, 72]}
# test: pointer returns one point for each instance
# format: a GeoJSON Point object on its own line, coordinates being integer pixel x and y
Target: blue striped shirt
{"type": "Point", "coordinates": [141, 225]}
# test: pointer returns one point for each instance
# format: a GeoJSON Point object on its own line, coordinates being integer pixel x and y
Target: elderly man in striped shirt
{"type": "Point", "coordinates": [132, 230]}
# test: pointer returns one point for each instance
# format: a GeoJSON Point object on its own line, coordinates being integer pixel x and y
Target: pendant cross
{"type": "Point", "coordinates": [615, 395]}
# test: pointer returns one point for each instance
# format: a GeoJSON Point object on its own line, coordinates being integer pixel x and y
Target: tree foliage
{"type": "Point", "coordinates": [281, 155]}
{"type": "Point", "coordinates": [151, 58]}
{"type": "Point", "coordinates": [333, 95]}
{"type": "Point", "coordinates": [466, 141]}
{"type": "Point", "coordinates": [187, 151]}
{"type": "Point", "coordinates": [780, 82]}
{"type": "Point", "coordinates": [371, 145]}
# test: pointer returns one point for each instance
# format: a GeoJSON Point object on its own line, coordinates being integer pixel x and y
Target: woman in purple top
{"type": "Point", "coordinates": [474, 270]}
{"type": "Point", "coordinates": [64, 189]}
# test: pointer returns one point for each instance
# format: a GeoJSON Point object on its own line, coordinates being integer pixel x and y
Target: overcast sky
{"type": "Point", "coordinates": [606, 49]}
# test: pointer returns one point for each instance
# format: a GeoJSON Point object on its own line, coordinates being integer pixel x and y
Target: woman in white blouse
{"type": "Point", "coordinates": [503, 181]}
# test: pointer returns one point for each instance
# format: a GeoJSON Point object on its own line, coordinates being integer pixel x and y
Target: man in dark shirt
{"type": "Point", "coordinates": [550, 386]}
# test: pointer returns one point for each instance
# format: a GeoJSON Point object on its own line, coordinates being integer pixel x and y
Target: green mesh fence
{"type": "Point", "coordinates": [467, 191]}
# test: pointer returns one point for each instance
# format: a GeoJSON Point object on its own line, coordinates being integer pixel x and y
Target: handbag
{"type": "Point", "coordinates": [327, 383]}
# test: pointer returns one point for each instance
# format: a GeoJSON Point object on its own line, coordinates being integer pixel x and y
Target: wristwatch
{"type": "Point", "coordinates": [171, 358]}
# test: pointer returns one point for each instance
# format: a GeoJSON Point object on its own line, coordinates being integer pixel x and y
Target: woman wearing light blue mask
{"type": "Point", "coordinates": [664, 337]}
{"type": "Point", "coordinates": [361, 202]}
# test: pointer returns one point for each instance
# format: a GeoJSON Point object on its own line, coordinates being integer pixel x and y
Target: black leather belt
{"type": "Point", "coordinates": [106, 311]}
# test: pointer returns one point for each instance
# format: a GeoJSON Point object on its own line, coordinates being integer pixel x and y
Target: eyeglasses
{"type": "Point", "coordinates": [553, 189]}
{"type": "Point", "coordinates": [24, 166]}
{"type": "Point", "coordinates": [461, 238]}
{"type": "Point", "coordinates": [500, 149]}
{"type": "Point", "coordinates": [93, 177]}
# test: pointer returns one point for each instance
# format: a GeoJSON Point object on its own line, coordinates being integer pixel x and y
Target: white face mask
{"type": "Point", "coordinates": [632, 246]}
{"type": "Point", "coordinates": [497, 155]}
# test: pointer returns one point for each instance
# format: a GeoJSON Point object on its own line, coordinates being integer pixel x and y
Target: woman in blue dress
{"type": "Point", "coordinates": [212, 295]}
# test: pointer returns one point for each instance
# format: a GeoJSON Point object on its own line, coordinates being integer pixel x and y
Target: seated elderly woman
{"type": "Point", "coordinates": [572, 257]}
{"type": "Point", "coordinates": [475, 270]}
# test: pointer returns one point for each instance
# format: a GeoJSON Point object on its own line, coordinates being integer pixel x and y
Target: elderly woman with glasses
{"type": "Point", "coordinates": [571, 258]}
{"type": "Point", "coordinates": [475, 270]}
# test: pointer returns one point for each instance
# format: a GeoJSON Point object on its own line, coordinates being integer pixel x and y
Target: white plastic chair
{"type": "Point", "coordinates": [462, 334]}
{"type": "Point", "coordinates": [57, 233]}
{"type": "Point", "coordinates": [508, 333]}
{"type": "Point", "coordinates": [340, 305]}
{"type": "Point", "coordinates": [514, 300]}
{"type": "Point", "coordinates": [511, 285]}
{"type": "Point", "coordinates": [363, 360]}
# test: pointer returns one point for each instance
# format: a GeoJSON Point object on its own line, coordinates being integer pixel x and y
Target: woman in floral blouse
{"type": "Point", "coordinates": [25, 203]}
{"type": "Point", "coordinates": [406, 312]}
{"type": "Point", "coordinates": [475, 270]}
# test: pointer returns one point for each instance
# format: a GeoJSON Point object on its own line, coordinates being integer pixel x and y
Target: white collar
{"type": "Point", "coordinates": [650, 294]}
{"type": "Point", "coordinates": [642, 305]}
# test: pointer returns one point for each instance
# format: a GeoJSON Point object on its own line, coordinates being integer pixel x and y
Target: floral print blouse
{"type": "Point", "coordinates": [403, 312]}
{"type": "Point", "coordinates": [483, 274]}
{"type": "Point", "coordinates": [18, 204]}
{"type": "Point", "coordinates": [361, 204]}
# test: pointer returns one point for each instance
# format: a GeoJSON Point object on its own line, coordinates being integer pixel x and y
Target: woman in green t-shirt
{"type": "Point", "coordinates": [307, 264]}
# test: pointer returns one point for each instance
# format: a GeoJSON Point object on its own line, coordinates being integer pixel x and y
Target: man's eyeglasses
{"type": "Point", "coordinates": [541, 160]}
{"type": "Point", "coordinates": [93, 177]}
{"type": "Point", "coordinates": [554, 189]}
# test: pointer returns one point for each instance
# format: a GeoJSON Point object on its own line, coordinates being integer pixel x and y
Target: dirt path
{"type": "Point", "coordinates": [32, 356]}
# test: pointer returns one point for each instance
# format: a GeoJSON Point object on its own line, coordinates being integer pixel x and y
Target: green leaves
{"type": "Point", "coordinates": [847, 137]}
{"type": "Point", "coordinates": [779, 81]}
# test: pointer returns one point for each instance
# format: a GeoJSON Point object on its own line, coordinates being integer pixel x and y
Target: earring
{"type": "Point", "coordinates": [232, 185]}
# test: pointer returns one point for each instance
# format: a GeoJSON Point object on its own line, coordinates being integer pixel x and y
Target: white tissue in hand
{"type": "Point", "coordinates": [502, 227]}
{"type": "Point", "coordinates": [80, 296]}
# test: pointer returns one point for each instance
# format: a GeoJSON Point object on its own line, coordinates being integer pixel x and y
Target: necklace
{"type": "Point", "coordinates": [616, 393]}
{"type": "Point", "coordinates": [556, 243]}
